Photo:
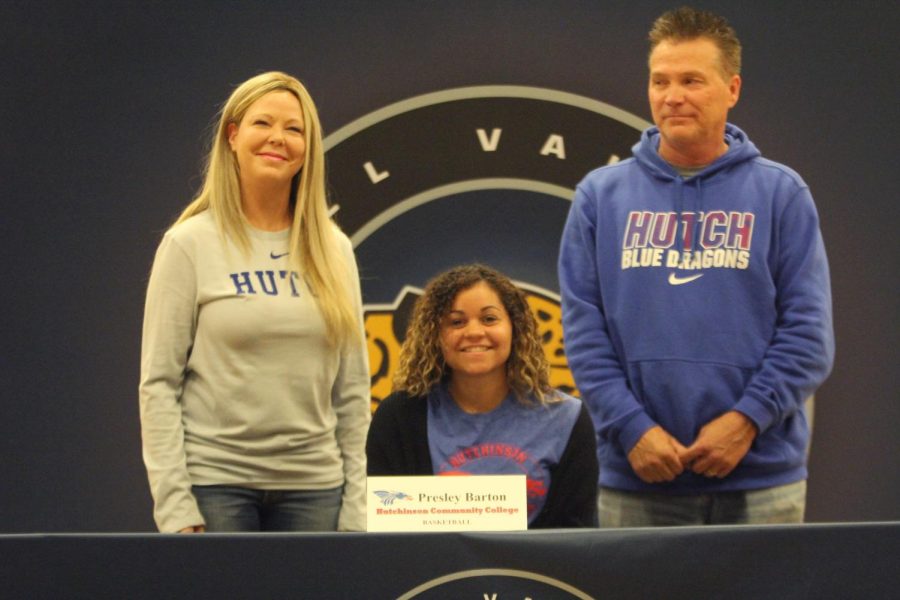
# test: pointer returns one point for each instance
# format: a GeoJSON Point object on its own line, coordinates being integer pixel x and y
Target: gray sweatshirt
{"type": "Point", "coordinates": [239, 385]}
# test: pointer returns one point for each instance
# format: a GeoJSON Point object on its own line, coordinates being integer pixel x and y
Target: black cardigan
{"type": "Point", "coordinates": [398, 445]}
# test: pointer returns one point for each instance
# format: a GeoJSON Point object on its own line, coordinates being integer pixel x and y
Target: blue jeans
{"type": "Point", "coordinates": [231, 509]}
{"type": "Point", "coordinates": [780, 504]}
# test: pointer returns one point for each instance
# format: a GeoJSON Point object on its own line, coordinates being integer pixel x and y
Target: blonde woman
{"type": "Point", "coordinates": [472, 396]}
{"type": "Point", "coordinates": [254, 392]}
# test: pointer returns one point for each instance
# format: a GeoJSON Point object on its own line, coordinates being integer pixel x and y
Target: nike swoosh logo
{"type": "Point", "coordinates": [277, 256]}
{"type": "Point", "coordinates": [676, 280]}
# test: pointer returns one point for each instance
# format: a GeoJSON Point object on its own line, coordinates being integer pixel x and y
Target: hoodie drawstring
{"type": "Point", "coordinates": [694, 242]}
{"type": "Point", "coordinates": [682, 231]}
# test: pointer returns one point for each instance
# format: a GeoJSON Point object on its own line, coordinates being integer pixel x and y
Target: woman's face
{"type": "Point", "coordinates": [269, 142]}
{"type": "Point", "coordinates": [476, 334]}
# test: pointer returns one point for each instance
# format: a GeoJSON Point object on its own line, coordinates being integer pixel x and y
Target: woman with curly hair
{"type": "Point", "coordinates": [472, 396]}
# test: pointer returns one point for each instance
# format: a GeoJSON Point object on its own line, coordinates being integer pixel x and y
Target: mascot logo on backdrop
{"type": "Point", "coordinates": [480, 174]}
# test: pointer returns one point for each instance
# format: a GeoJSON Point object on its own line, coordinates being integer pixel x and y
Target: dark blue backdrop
{"type": "Point", "coordinates": [105, 115]}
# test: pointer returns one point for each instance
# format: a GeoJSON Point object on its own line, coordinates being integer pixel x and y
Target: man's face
{"type": "Point", "coordinates": [689, 98]}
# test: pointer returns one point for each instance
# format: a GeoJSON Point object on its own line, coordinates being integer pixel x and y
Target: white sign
{"type": "Point", "coordinates": [447, 503]}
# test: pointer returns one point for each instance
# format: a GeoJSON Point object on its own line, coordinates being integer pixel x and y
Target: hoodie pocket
{"type": "Point", "coordinates": [682, 396]}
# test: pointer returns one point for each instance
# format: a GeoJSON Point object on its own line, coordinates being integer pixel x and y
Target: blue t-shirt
{"type": "Point", "coordinates": [512, 439]}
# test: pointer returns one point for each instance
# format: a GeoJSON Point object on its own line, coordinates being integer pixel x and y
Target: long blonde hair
{"type": "Point", "coordinates": [422, 366]}
{"type": "Point", "coordinates": [314, 242]}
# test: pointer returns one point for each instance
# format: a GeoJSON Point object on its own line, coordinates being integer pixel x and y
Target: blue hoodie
{"type": "Point", "coordinates": [687, 298]}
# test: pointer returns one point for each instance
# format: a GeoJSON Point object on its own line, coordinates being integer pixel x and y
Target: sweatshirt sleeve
{"type": "Point", "coordinates": [385, 444]}
{"type": "Point", "coordinates": [572, 499]}
{"type": "Point", "coordinates": [350, 399]}
{"type": "Point", "coordinates": [168, 333]}
{"type": "Point", "coordinates": [378, 442]}
{"type": "Point", "coordinates": [398, 438]}
{"type": "Point", "coordinates": [591, 353]}
{"type": "Point", "coordinates": [801, 352]}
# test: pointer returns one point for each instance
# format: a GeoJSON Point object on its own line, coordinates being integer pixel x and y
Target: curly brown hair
{"type": "Point", "coordinates": [422, 363]}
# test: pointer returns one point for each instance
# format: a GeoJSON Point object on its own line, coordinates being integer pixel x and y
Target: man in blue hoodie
{"type": "Point", "coordinates": [696, 303]}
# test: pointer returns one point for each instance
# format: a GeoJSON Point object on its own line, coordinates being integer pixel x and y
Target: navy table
{"type": "Point", "coordinates": [858, 560]}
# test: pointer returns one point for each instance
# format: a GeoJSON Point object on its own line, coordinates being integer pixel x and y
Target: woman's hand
{"type": "Point", "coordinates": [193, 529]}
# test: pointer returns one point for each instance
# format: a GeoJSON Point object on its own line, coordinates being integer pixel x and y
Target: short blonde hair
{"type": "Point", "coordinates": [687, 23]}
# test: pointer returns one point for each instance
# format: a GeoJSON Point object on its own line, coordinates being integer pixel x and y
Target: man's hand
{"type": "Point", "coordinates": [720, 446]}
{"type": "Point", "coordinates": [655, 457]}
